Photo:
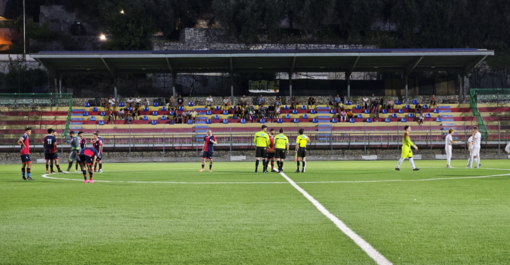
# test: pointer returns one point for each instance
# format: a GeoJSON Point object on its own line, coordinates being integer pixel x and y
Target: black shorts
{"type": "Point", "coordinates": [207, 154]}
{"type": "Point", "coordinates": [49, 156]}
{"type": "Point", "coordinates": [270, 155]}
{"type": "Point", "coordinates": [99, 157]}
{"type": "Point", "coordinates": [301, 152]}
{"type": "Point", "coordinates": [280, 153]}
{"type": "Point", "coordinates": [85, 159]}
{"type": "Point", "coordinates": [25, 159]}
{"type": "Point", "coordinates": [261, 152]}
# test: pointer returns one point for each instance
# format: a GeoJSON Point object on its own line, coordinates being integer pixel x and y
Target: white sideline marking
{"type": "Point", "coordinates": [365, 246]}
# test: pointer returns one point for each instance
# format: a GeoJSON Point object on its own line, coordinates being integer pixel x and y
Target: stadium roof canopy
{"type": "Point", "coordinates": [212, 61]}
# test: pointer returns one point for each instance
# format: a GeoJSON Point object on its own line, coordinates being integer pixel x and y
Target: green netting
{"type": "Point", "coordinates": [486, 95]}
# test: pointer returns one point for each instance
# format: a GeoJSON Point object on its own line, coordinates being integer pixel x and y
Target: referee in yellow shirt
{"type": "Point", "coordinates": [301, 142]}
{"type": "Point", "coordinates": [281, 142]}
{"type": "Point", "coordinates": [261, 140]}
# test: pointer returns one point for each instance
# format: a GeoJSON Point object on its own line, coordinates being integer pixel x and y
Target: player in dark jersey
{"type": "Point", "coordinates": [26, 162]}
{"type": "Point", "coordinates": [270, 152]}
{"type": "Point", "coordinates": [50, 151]}
{"type": "Point", "coordinates": [88, 157]}
{"type": "Point", "coordinates": [98, 145]}
{"type": "Point", "coordinates": [208, 149]}
{"type": "Point", "coordinates": [83, 144]}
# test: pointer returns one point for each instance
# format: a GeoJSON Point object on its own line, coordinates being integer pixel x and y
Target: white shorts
{"type": "Point", "coordinates": [448, 151]}
{"type": "Point", "coordinates": [475, 151]}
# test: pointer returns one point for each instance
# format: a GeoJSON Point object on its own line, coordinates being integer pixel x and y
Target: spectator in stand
{"type": "Point", "coordinates": [337, 100]}
{"type": "Point", "coordinates": [420, 119]}
{"type": "Point", "coordinates": [226, 104]}
{"type": "Point", "coordinates": [331, 102]}
{"type": "Point", "coordinates": [373, 99]}
{"type": "Point", "coordinates": [262, 100]}
{"type": "Point", "coordinates": [104, 104]}
{"type": "Point", "coordinates": [262, 112]}
{"type": "Point", "coordinates": [251, 114]}
{"type": "Point", "coordinates": [293, 102]}
{"type": "Point", "coordinates": [375, 109]}
{"type": "Point", "coordinates": [146, 103]}
{"type": "Point", "coordinates": [365, 102]}
{"type": "Point", "coordinates": [138, 102]}
{"type": "Point", "coordinates": [209, 102]}
{"type": "Point", "coordinates": [343, 115]}
{"type": "Point", "coordinates": [417, 107]}
{"type": "Point", "coordinates": [341, 106]}
{"type": "Point", "coordinates": [171, 102]}
{"type": "Point", "coordinates": [111, 118]}
{"type": "Point", "coordinates": [349, 114]}
{"type": "Point", "coordinates": [277, 101]}
{"type": "Point", "coordinates": [312, 102]}
{"type": "Point", "coordinates": [270, 112]}
{"type": "Point", "coordinates": [244, 101]}
{"type": "Point", "coordinates": [277, 112]}
{"type": "Point", "coordinates": [129, 117]}
{"type": "Point", "coordinates": [112, 102]}
{"type": "Point", "coordinates": [184, 117]}
{"type": "Point", "coordinates": [194, 116]}
{"type": "Point", "coordinates": [433, 102]}
{"type": "Point", "coordinates": [122, 111]}
{"type": "Point", "coordinates": [130, 102]}
{"type": "Point", "coordinates": [381, 103]}
{"type": "Point", "coordinates": [136, 113]}
{"type": "Point", "coordinates": [390, 104]}
{"type": "Point", "coordinates": [175, 115]}
{"type": "Point", "coordinates": [180, 101]}
{"type": "Point", "coordinates": [242, 112]}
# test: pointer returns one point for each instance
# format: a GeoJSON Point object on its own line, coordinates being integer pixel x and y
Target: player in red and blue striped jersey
{"type": "Point", "coordinates": [208, 149]}
{"type": "Point", "coordinates": [98, 145]}
{"type": "Point", "coordinates": [50, 150]}
{"type": "Point", "coordinates": [88, 158]}
{"type": "Point", "coordinates": [26, 162]}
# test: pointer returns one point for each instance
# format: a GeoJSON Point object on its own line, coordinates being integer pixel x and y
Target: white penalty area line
{"type": "Point", "coordinates": [364, 245]}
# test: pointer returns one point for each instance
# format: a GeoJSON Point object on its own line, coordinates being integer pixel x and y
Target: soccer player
{"type": "Point", "coordinates": [55, 155]}
{"type": "Point", "coordinates": [407, 152]}
{"type": "Point", "coordinates": [448, 147]}
{"type": "Point", "coordinates": [98, 145]}
{"type": "Point", "coordinates": [88, 157]}
{"type": "Point", "coordinates": [507, 148]}
{"type": "Point", "coordinates": [75, 151]}
{"type": "Point", "coordinates": [477, 142]}
{"type": "Point", "coordinates": [261, 140]}
{"type": "Point", "coordinates": [270, 152]}
{"type": "Point", "coordinates": [301, 142]}
{"type": "Point", "coordinates": [83, 144]}
{"type": "Point", "coordinates": [26, 162]}
{"type": "Point", "coordinates": [280, 142]}
{"type": "Point", "coordinates": [470, 144]}
{"type": "Point", "coordinates": [50, 151]}
{"type": "Point", "coordinates": [208, 149]}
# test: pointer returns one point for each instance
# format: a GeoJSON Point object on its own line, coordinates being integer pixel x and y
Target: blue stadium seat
{"type": "Point", "coordinates": [154, 113]}
{"type": "Point", "coordinates": [94, 109]}
{"type": "Point", "coordinates": [415, 102]}
{"type": "Point", "coordinates": [101, 122]}
{"type": "Point", "coordinates": [181, 108]}
{"type": "Point", "coordinates": [171, 113]}
{"type": "Point", "coordinates": [163, 109]}
{"type": "Point", "coordinates": [303, 107]}
{"type": "Point", "coordinates": [208, 121]}
{"type": "Point", "coordinates": [387, 120]}
{"type": "Point", "coordinates": [93, 118]}
{"type": "Point", "coordinates": [348, 102]}
{"type": "Point", "coordinates": [85, 114]}
{"type": "Point", "coordinates": [401, 111]}
{"type": "Point", "coordinates": [334, 120]}
{"type": "Point", "coordinates": [369, 120]}
{"type": "Point", "coordinates": [190, 104]}
{"type": "Point", "coordinates": [103, 113]}
{"type": "Point", "coordinates": [154, 122]}
{"type": "Point", "coordinates": [279, 121]}
{"type": "Point", "coordinates": [367, 111]}
{"type": "Point", "coordinates": [296, 120]}
{"type": "Point", "coordinates": [287, 116]}
{"type": "Point", "coordinates": [351, 120]}
{"type": "Point", "coordinates": [385, 111]}
{"type": "Point", "coordinates": [146, 109]}
{"type": "Point", "coordinates": [208, 112]}
{"type": "Point", "coordinates": [217, 108]}
{"type": "Point", "coordinates": [216, 117]}
{"type": "Point", "coordinates": [410, 115]}
{"type": "Point", "coordinates": [358, 107]}
{"type": "Point", "coordinates": [130, 109]}
{"type": "Point", "coordinates": [408, 107]}
{"type": "Point", "coordinates": [286, 107]}
{"type": "Point", "coordinates": [225, 121]}
{"type": "Point", "coordinates": [398, 102]}
{"type": "Point", "coordinates": [436, 111]}
{"type": "Point", "coordinates": [190, 121]}
{"type": "Point", "coordinates": [233, 108]}
{"type": "Point", "coordinates": [438, 119]}
{"type": "Point", "coordinates": [171, 122]}
{"type": "Point", "coordinates": [305, 116]}
{"type": "Point", "coordinates": [360, 116]}
{"type": "Point", "coordinates": [294, 111]}
{"type": "Point", "coordinates": [145, 118]}
{"type": "Point", "coordinates": [394, 115]}
{"type": "Point", "coordinates": [156, 104]}
{"type": "Point", "coordinates": [403, 120]}
{"type": "Point", "coordinates": [225, 112]}
{"type": "Point", "coordinates": [163, 118]}
{"type": "Point", "coordinates": [425, 106]}
{"type": "Point", "coordinates": [243, 121]}
{"type": "Point", "coordinates": [332, 111]}
{"type": "Point", "coordinates": [87, 105]}
{"type": "Point", "coordinates": [262, 121]}
{"type": "Point", "coordinates": [121, 105]}
{"type": "Point", "coordinates": [428, 115]}
{"type": "Point", "coordinates": [313, 112]}
{"type": "Point", "coordinates": [315, 120]}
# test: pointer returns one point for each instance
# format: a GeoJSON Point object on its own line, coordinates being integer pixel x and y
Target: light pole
{"type": "Point", "coordinates": [24, 34]}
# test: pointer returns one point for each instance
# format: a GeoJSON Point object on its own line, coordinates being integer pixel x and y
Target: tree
{"type": "Point", "coordinates": [21, 79]}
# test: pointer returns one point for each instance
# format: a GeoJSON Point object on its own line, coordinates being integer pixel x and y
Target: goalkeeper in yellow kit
{"type": "Point", "coordinates": [407, 152]}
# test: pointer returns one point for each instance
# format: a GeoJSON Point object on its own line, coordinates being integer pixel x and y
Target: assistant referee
{"type": "Point", "coordinates": [280, 142]}
{"type": "Point", "coordinates": [301, 142]}
{"type": "Point", "coordinates": [261, 140]}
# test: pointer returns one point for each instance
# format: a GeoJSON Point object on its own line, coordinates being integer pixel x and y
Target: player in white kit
{"type": "Point", "coordinates": [475, 148]}
{"type": "Point", "coordinates": [448, 147]}
{"type": "Point", "coordinates": [507, 148]}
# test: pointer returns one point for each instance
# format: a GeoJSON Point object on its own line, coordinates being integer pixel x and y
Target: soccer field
{"type": "Point", "coordinates": [170, 213]}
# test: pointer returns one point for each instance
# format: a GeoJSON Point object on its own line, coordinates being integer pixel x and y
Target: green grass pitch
{"type": "Point", "coordinates": [169, 213]}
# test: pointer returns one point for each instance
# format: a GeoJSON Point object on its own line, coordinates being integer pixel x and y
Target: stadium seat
{"type": "Point", "coordinates": [217, 108]}
{"type": "Point", "coordinates": [398, 102]}
{"type": "Point", "coordinates": [394, 115]}
{"type": "Point", "coordinates": [225, 112]}
{"type": "Point", "coordinates": [156, 104]}
{"type": "Point", "coordinates": [351, 120]}
{"type": "Point", "coordinates": [401, 111]}
{"type": "Point", "coordinates": [358, 107]}
{"type": "Point", "coordinates": [332, 111]}
{"type": "Point", "coordinates": [154, 122]}
{"type": "Point", "coordinates": [190, 104]}
{"type": "Point", "coordinates": [101, 122]}
{"type": "Point", "coordinates": [208, 121]}
{"type": "Point", "coordinates": [171, 122]}
{"type": "Point", "coordinates": [94, 109]}
{"type": "Point", "coordinates": [403, 120]}
{"type": "Point", "coordinates": [287, 116]}
{"type": "Point", "coordinates": [286, 107]}
{"type": "Point", "coordinates": [428, 115]}
{"type": "Point", "coordinates": [208, 112]}
{"type": "Point", "coordinates": [171, 113]}
{"type": "Point", "coordinates": [181, 108]}
{"type": "Point", "coordinates": [145, 118]}
{"type": "Point", "coordinates": [313, 112]}
{"type": "Point", "coordinates": [130, 109]}
{"type": "Point", "coordinates": [334, 120]}
{"type": "Point", "coordinates": [121, 105]}
{"type": "Point", "coordinates": [367, 111]}
{"type": "Point", "coordinates": [410, 115]}
{"type": "Point", "coordinates": [296, 120]}
{"type": "Point", "coordinates": [385, 111]}
{"type": "Point", "coordinates": [154, 113]}
{"type": "Point", "coordinates": [348, 102]}
{"type": "Point", "coordinates": [387, 120]}
{"type": "Point", "coordinates": [190, 121]}
{"type": "Point", "coordinates": [243, 121]}
{"type": "Point", "coordinates": [360, 116]}
{"type": "Point", "coordinates": [279, 121]}
{"type": "Point", "coordinates": [233, 108]}
{"type": "Point", "coordinates": [87, 105]}
{"type": "Point", "coordinates": [315, 120]}
{"type": "Point", "coordinates": [436, 111]}
{"type": "Point", "coordinates": [303, 107]}
{"type": "Point", "coordinates": [225, 121]}
{"type": "Point", "coordinates": [163, 109]}
{"type": "Point", "coordinates": [103, 113]}
{"type": "Point", "coordinates": [216, 117]}
{"type": "Point", "coordinates": [163, 118]}
{"type": "Point", "coordinates": [438, 119]}
{"type": "Point", "coordinates": [93, 118]}
{"type": "Point", "coordinates": [305, 116]}
{"type": "Point", "coordinates": [294, 111]}
{"type": "Point", "coordinates": [415, 102]}
{"type": "Point", "coordinates": [408, 107]}
{"type": "Point", "coordinates": [262, 121]}
{"type": "Point", "coordinates": [146, 109]}
{"type": "Point", "coordinates": [425, 106]}
{"type": "Point", "coordinates": [85, 114]}
{"type": "Point", "coordinates": [369, 120]}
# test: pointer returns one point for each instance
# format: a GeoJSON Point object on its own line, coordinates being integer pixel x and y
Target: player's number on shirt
{"type": "Point", "coordinates": [49, 141]}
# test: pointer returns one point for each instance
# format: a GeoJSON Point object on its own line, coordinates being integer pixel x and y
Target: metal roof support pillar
{"type": "Point", "coordinates": [60, 83]}
{"type": "Point", "coordinates": [56, 83]}
{"type": "Point", "coordinates": [231, 82]}
{"type": "Point", "coordinates": [407, 89]}
{"type": "Point", "coordinates": [466, 87]}
{"type": "Point", "coordinates": [174, 77]}
{"type": "Point", "coordinates": [290, 85]}
{"type": "Point", "coordinates": [116, 86]}
{"type": "Point", "coordinates": [348, 78]}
